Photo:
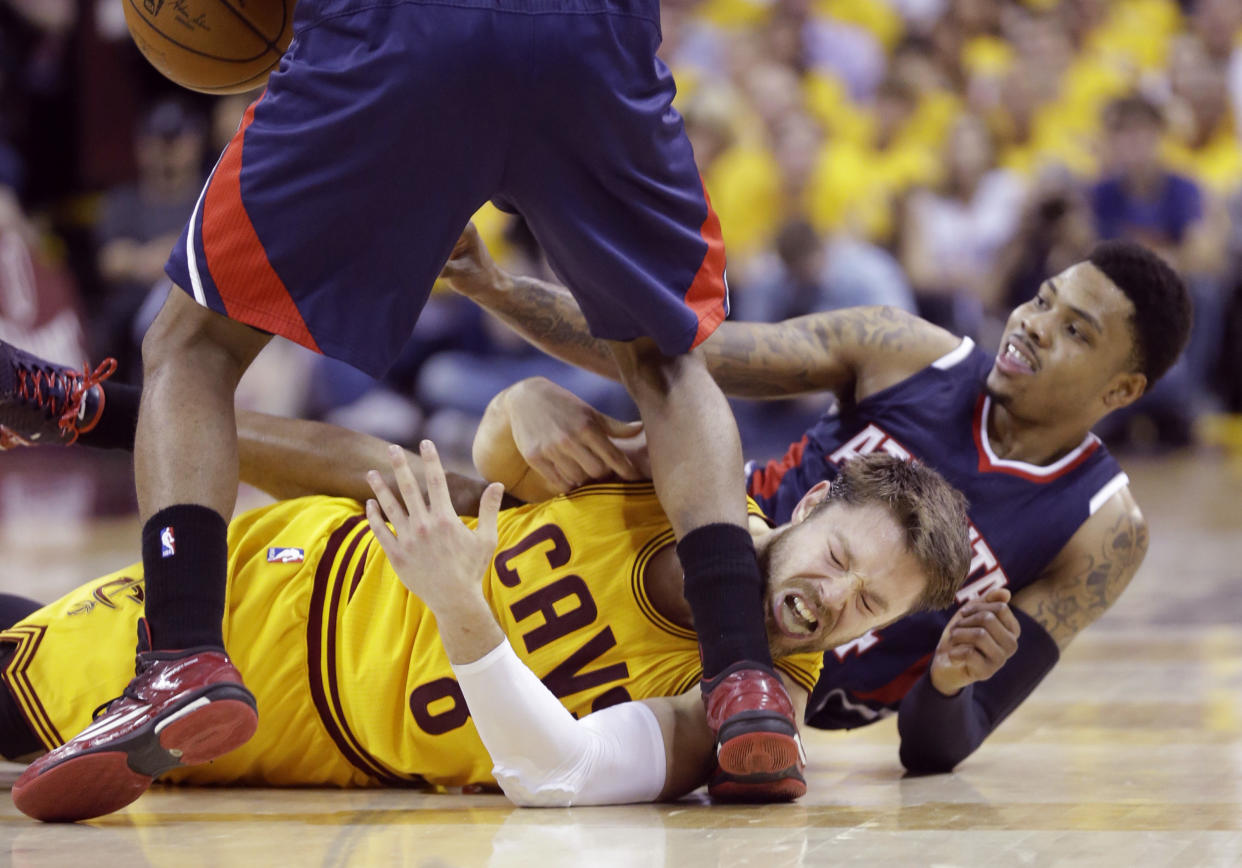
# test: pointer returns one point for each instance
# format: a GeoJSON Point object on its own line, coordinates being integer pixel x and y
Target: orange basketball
{"type": "Point", "coordinates": [213, 46]}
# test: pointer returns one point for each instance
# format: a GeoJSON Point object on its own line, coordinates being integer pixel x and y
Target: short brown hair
{"type": "Point", "coordinates": [931, 512]}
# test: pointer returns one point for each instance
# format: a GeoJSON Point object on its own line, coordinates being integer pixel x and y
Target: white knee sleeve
{"type": "Point", "coordinates": [542, 756]}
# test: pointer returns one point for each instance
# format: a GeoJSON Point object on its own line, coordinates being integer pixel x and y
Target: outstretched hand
{"type": "Point", "coordinates": [434, 554]}
{"type": "Point", "coordinates": [976, 642]}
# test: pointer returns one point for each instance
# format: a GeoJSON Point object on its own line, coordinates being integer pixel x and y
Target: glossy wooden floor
{"type": "Point", "coordinates": [1130, 754]}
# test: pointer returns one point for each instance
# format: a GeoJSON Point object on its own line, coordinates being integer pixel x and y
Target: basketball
{"type": "Point", "coordinates": [212, 46]}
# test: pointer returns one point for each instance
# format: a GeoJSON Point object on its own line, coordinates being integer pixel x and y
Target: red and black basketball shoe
{"type": "Point", "coordinates": [41, 402]}
{"type": "Point", "coordinates": [759, 756]}
{"type": "Point", "coordinates": [182, 708]}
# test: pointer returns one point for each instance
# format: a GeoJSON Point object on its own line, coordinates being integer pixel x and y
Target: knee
{"type": "Point", "coordinates": [643, 365]}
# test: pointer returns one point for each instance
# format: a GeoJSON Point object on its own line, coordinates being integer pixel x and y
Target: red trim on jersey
{"type": "Point", "coordinates": [250, 288]}
{"type": "Point", "coordinates": [986, 464]}
{"type": "Point", "coordinates": [764, 482]}
{"type": "Point", "coordinates": [892, 693]}
{"type": "Point", "coordinates": [321, 652]}
{"type": "Point", "coordinates": [707, 293]}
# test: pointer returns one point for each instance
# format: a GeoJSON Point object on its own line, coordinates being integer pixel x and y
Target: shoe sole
{"type": "Point", "coordinates": [104, 780]}
{"type": "Point", "coordinates": [757, 754]}
{"type": "Point", "coordinates": [784, 789]}
{"type": "Point", "coordinates": [758, 760]}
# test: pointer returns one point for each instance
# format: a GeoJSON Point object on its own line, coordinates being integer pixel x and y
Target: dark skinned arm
{"type": "Point", "coordinates": [290, 458]}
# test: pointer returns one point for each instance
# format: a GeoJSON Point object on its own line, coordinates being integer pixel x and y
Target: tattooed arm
{"type": "Point", "coordinates": [858, 350]}
{"type": "Point", "coordinates": [939, 730]}
{"type": "Point", "coordinates": [854, 352]}
{"type": "Point", "coordinates": [545, 314]}
{"type": "Point", "coordinates": [1089, 574]}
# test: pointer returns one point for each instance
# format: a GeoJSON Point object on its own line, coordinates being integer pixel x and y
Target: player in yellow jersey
{"type": "Point", "coordinates": [568, 673]}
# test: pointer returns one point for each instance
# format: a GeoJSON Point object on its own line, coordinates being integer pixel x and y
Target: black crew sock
{"type": "Point", "coordinates": [118, 421]}
{"type": "Point", "coordinates": [185, 558]}
{"type": "Point", "coordinates": [725, 591]}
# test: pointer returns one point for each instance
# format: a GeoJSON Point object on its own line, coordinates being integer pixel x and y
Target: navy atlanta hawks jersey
{"type": "Point", "coordinates": [1021, 514]}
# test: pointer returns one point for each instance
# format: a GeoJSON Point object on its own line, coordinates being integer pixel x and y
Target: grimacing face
{"type": "Point", "coordinates": [835, 573]}
{"type": "Point", "coordinates": [1065, 352]}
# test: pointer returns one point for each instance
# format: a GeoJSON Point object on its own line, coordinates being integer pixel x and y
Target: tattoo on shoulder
{"type": "Point", "coordinates": [1084, 593]}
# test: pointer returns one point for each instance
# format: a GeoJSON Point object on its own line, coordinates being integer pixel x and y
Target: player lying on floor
{"type": "Point", "coordinates": [1053, 521]}
{"type": "Point", "coordinates": [384, 660]}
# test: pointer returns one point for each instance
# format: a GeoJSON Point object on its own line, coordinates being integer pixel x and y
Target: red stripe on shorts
{"type": "Point", "coordinates": [765, 482]}
{"type": "Point", "coordinates": [250, 288]}
{"type": "Point", "coordinates": [706, 296]}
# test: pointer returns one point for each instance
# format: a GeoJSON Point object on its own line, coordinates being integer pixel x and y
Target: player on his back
{"type": "Point", "coordinates": [1057, 535]}
{"type": "Point", "coordinates": [348, 668]}
{"type": "Point", "coordinates": [329, 215]}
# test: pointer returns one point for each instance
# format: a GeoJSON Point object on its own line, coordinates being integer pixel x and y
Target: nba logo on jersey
{"type": "Point", "coordinates": [285, 555]}
{"type": "Point", "coordinates": [168, 545]}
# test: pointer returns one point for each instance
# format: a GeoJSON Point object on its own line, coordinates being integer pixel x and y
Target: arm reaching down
{"type": "Point", "coordinates": [852, 352]}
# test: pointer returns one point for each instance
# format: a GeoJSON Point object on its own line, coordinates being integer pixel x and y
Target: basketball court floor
{"type": "Point", "coordinates": [1130, 753]}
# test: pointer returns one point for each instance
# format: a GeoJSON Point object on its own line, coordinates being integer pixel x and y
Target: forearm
{"type": "Point", "coordinates": [542, 755]}
{"type": "Point", "coordinates": [547, 316]}
{"type": "Point", "coordinates": [747, 360]}
{"type": "Point", "coordinates": [468, 629]}
{"type": "Point", "coordinates": [294, 457]}
{"type": "Point", "coordinates": [938, 731]}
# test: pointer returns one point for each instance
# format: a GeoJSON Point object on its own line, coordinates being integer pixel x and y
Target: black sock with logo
{"type": "Point", "coordinates": [185, 558]}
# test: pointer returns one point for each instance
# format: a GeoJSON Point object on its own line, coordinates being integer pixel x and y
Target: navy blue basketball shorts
{"type": "Point", "coordinates": [387, 125]}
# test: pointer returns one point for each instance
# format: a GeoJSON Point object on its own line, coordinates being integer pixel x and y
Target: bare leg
{"type": "Point", "coordinates": [186, 447]}
{"type": "Point", "coordinates": [696, 462]}
{"type": "Point", "coordinates": [696, 454]}
{"type": "Point", "coordinates": [186, 703]}
{"type": "Point", "coordinates": [185, 462]}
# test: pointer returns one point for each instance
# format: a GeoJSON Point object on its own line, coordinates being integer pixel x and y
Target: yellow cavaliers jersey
{"type": "Point", "coordinates": [352, 682]}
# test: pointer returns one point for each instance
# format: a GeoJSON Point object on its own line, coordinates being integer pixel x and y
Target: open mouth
{"type": "Point", "coordinates": [1016, 358]}
{"type": "Point", "coordinates": [794, 616]}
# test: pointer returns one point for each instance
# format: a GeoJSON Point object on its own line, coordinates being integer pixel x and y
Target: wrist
{"type": "Point", "coordinates": [455, 605]}
{"type": "Point", "coordinates": [944, 683]}
{"type": "Point", "coordinates": [469, 635]}
{"type": "Point", "coordinates": [494, 284]}
{"type": "Point", "coordinates": [483, 284]}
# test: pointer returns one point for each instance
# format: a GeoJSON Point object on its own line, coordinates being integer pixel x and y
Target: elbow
{"type": "Point", "coordinates": [927, 760]}
{"type": "Point", "coordinates": [923, 755]}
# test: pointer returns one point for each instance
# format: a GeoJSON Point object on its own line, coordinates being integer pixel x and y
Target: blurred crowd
{"type": "Point", "coordinates": [943, 156]}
